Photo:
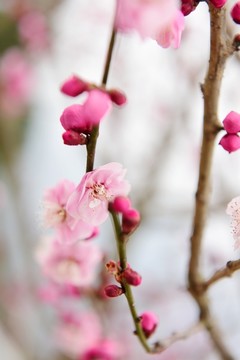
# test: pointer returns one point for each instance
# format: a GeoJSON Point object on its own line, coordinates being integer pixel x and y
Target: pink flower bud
{"type": "Point", "coordinates": [235, 13]}
{"type": "Point", "coordinates": [218, 3]}
{"type": "Point", "coordinates": [117, 97]}
{"type": "Point", "coordinates": [188, 6]}
{"type": "Point", "coordinates": [148, 322]}
{"type": "Point", "coordinates": [130, 220]}
{"type": "Point", "coordinates": [113, 291]}
{"type": "Point", "coordinates": [74, 86]}
{"type": "Point", "coordinates": [131, 277]}
{"type": "Point", "coordinates": [231, 122]}
{"type": "Point", "coordinates": [121, 204]}
{"type": "Point", "coordinates": [230, 142]}
{"type": "Point", "coordinates": [71, 137]}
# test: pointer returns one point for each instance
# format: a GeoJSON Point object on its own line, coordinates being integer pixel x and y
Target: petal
{"type": "Point", "coordinates": [96, 107]}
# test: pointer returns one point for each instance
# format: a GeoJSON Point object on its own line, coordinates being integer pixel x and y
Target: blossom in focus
{"type": "Point", "coordinates": [77, 332]}
{"type": "Point", "coordinates": [16, 80]}
{"type": "Point", "coordinates": [233, 209]}
{"type": "Point", "coordinates": [161, 20]}
{"type": "Point", "coordinates": [82, 118]}
{"type": "Point", "coordinates": [89, 202]}
{"type": "Point", "coordinates": [55, 214]}
{"type": "Point", "coordinates": [69, 264]}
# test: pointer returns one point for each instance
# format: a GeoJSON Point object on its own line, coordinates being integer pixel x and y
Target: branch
{"type": "Point", "coordinates": [220, 50]}
{"type": "Point", "coordinates": [92, 141]}
{"type": "Point", "coordinates": [226, 271]}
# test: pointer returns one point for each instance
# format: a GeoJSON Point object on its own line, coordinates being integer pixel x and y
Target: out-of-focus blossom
{"type": "Point", "coordinates": [157, 19]}
{"type": "Point", "coordinates": [89, 202]}
{"type": "Point", "coordinates": [233, 209]}
{"type": "Point", "coordinates": [55, 214]}
{"type": "Point", "coordinates": [52, 292]}
{"type": "Point", "coordinates": [33, 30]}
{"type": "Point", "coordinates": [77, 333]}
{"type": "Point", "coordinates": [104, 350]}
{"type": "Point", "coordinates": [16, 80]}
{"type": "Point", "coordinates": [69, 264]}
{"type": "Point", "coordinates": [148, 322]}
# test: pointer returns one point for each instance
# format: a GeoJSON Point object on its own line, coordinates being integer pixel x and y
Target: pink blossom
{"type": "Point", "coordinates": [82, 118]}
{"type": "Point", "coordinates": [15, 83]}
{"type": "Point", "coordinates": [69, 264]}
{"type": "Point", "coordinates": [233, 209]}
{"type": "Point", "coordinates": [77, 333]}
{"type": "Point", "coordinates": [104, 350]}
{"type": "Point", "coordinates": [89, 202]}
{"type": "Point", "coordinates": [121, 204]}
{"type": "Point", "coordinates": [231, 122]}
{"type": "Point", "coordinates": [158, 19]}
{"type": "Point", "coordinates": [52, 292]}
{"type": "Point", "coordinates": [230, 142]}
{"type": "Point", "coordinates": [33, 30]}
{"type": "Point", "coordinates": [235, 12]}
{"type": "Point", "coordinates": [130, 221]}
{"type": "Point", "coordinates": [148, 323]}
{"type": "Point", "coordinates": [55, 214]}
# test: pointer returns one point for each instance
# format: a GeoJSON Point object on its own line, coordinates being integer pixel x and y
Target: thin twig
{"type": "Point", "coordinates": [220, 50]}
{"type": "Point", "coordinates": [226, 271]}
{"type": "Point", "coordinates": [92, 140]}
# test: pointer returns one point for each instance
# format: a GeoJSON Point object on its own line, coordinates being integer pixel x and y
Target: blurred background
{"type": "Point", "coordinates": [156, 136]}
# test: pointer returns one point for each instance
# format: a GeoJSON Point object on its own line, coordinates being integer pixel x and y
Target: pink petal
{"type": "Point", "coordinates": [96, 106]}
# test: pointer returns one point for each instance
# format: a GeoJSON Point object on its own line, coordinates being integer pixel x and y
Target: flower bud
{"type": "Point", "coordinates": [188, 6]}
{"type": "Point", "coordinates": [231, 122]}
{"type": "Point", "coordinates": [118, 97]}
{"type": "Point", "coordinates": [121, 204]}
{"type": "Point", "coordinates": [113, 291]}
{"type": "Point", "coordinates": [218, 3]}
{"type": "Point", "coordinates": [71, 137]}
{"type": "Point", "coordinates": [235, 13]}
{"type": "Point", "coordinates": [131, 277]}
{"type": "Point", "coordinates": [74, 86]}
{"type": "Point", "coordinates": [230, 142]}
{"type": "Point", "coordinates": [130, 220]}
{"type": "Point", "coordinates": [148, 322]}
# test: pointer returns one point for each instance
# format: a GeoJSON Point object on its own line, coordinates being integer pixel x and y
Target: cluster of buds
{"type": "Point", "coordinates": [128, 275]}
{"type": "Point", "coordinates": [231, 141]}
{"type": "Point", "coordinates": [79, 120]}
{"type": "Point", "coordinates": [130, 216]}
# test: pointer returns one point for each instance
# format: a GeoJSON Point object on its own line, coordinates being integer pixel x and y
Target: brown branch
{"type": "Point", "coordinates": [226, 271]}
{"type": "Point", "coordinates": [220, 50]}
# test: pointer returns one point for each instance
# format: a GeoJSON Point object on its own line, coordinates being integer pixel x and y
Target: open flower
{"type": "Point", "coordinates": [55, 214]}
{"type": "Point", "coordinates": [89, 202]}
{"type": "Point", "coordinates": [69, 264]}
{"type": "Point", "coordinates": [160, 20]}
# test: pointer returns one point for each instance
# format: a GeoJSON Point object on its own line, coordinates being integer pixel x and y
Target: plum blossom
{"type": "Point", "coordinates": [55, 214]}
{"type": "Point", "coordinates": [233, 209]}
{"type": "Point", "coordinates": [69, 264]}
{"type": "Point", "coordinates": [160, 20]}
{"type": "Point", "coordinates": [16, 80]}
{"type": "Point", "coordinates": [82, 118]}
{"type": "Point", "coordinates": [148, 322]}
{"type": "Point", "coordinates": [77, 332]}
{"type": "Point", "coordinates": [89, 202]}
